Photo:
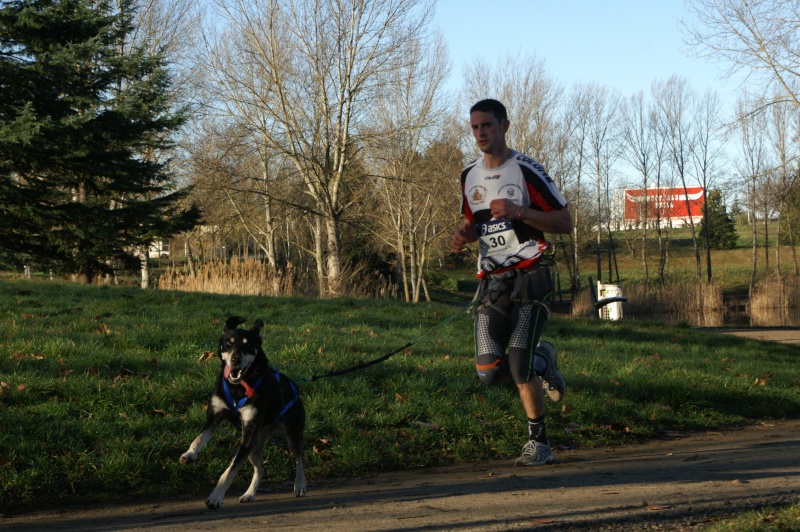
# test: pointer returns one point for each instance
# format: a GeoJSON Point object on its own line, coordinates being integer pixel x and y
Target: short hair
{"type": "Point", "coordinates": [491, 106]}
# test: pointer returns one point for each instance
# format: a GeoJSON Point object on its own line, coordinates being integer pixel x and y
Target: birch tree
{"type": "Point", "coordinates": [638, 135]}
{"type": "Point", "coordinates": [706, 154]}
{"type": "Point", "coordinates": [675, 98]}
{"type": "Point", "coordinates": [308, 71]}
{"type": "Point", "coordinates": [783, 130]}
{"type": "Point", "coordinates": [753, 167]}
{"type": "Point", "coordinates": [413, 192]}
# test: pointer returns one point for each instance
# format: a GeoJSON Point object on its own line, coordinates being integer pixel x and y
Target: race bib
{"type": "Point", "coordinates": [497, 237]}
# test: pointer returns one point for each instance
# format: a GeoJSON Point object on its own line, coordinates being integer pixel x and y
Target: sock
{"type": "Point", "coordinates": [536, 430]}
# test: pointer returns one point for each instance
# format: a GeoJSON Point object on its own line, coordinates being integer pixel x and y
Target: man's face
{"type": "Point", "coordinates": [488, 132]}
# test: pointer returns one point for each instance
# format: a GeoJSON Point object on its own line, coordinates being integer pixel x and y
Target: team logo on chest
{"type": "Point", "coordinates": [511, 191]}
{"type": "Point", "coordinates": [477, 194]}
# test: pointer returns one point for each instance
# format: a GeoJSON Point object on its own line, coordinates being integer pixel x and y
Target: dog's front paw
{"type": "Point", "coordinates": [300, 487]}
{"type": "Point", "coordinates": [247, 498]}
{"type": "Point", "coordinates": [212, 503]}
{"type": "Point", "coordinates": [300, 483]}
{"type": "Point", "coordinates": [188, 457]}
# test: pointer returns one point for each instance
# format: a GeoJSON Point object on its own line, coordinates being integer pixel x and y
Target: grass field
{"type": "Point", "coordinates": [102, 389]}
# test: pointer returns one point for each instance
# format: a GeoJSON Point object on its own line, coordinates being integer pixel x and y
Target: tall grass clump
{"type": "Point", "coordinates": [244, 277]}
{"type": "Point", "coordinates": [776, 301]}
{"type": "Point", "coordinates": [697, 304]}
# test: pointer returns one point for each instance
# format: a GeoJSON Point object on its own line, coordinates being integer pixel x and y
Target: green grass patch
{"type": "Point", "coordinates": [102, 389]}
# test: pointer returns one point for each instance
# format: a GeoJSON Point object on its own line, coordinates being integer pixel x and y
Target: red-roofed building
{"type": "Point", "coordinates": [673, 206]}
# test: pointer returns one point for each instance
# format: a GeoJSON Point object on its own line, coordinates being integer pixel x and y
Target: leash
{"type": "Point", "coordinates": [336, 373]}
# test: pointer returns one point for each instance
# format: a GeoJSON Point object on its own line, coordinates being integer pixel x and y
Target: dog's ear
{"type": "Point", "coordinates": [257, 326]}
{"type": "Point", "coordinates": [233, 322]}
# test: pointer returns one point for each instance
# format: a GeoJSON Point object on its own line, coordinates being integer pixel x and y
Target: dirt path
{"type": "Point", "coordinates": [671, 483]}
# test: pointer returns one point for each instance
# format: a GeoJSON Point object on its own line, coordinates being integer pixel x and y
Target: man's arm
{"type": "Point", "coordinates": [464, 235]}
{"type": "Point", "coordinates": [559, 221]}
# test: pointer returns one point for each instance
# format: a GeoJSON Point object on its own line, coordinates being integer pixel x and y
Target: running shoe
{"type": "Point", "coordinates": [552, 381]}
{"type": "Point", "coordinates": [535, 453]}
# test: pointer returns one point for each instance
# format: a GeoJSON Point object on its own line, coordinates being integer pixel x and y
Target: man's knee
{"type": "Point", "coordinates": [493, 373]}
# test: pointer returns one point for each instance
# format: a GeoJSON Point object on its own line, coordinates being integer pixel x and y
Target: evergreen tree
{"type": "Point", "coordinates": [721, 228]}
{"type": "Point", "coordinates": [82, 126]}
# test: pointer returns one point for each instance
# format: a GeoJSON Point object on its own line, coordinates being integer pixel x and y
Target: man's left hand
{"type": "Point", "coordinates": [505, 208]}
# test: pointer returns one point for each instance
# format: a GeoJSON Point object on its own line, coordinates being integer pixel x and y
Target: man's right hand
{"type": "Point", "coordinates": [463, 236]}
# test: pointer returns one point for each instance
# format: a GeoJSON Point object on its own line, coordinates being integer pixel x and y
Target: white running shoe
{"type": "Point", "coordinates": [535, 453]}
{"type": "Point", "coordinates": [553, 381]}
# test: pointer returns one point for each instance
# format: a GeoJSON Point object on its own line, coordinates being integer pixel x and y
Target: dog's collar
{"type": "Point", "coordinates": [237, 405]}
{"type": "Point", "coordinates": [248, 393]}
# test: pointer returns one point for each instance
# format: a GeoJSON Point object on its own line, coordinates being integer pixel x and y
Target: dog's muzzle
{"type": "Point", "coordinates": [234, 375]}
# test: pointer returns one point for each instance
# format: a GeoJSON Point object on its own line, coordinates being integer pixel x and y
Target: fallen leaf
{"type": "Point", "coordinates": [208, 355]}
{"type": "Point", "coordinates": [157, 412]}
{"type": "Point", "coordinates": [21, 388]}
{"type": "Point", "coordinates": [447, 357]}
{"type": "Point", "coordinates": [400, 398]}
{"type": "Point", "coordinates": [103, 329]}
{"type": "Point", "coordinates": [125, 372]}
{"type": "Point", "coordinates": [538, 522]}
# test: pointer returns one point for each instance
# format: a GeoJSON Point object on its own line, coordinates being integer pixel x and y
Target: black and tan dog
{"type": "Point", "coordinates": [257, 398]}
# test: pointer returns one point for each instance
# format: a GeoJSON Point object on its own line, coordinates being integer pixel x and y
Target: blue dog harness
{"type": "Point", "coordinates": [237, 405]}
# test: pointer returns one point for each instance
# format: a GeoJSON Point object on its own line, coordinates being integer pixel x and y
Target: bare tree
{"type": "Point", "coordinates": [638, 136]}
{"type": "Point", "coordinates": [308, 71]}
{"type": "Point", "coordinates": [753, 166]}
{"type": "Point", "coordinates": [578, 113]}
{"type": "Point", "coordinates": [783, 130]}
{"type": "Point", "coordinates": [706, 153]}
{"type": "Point", "coordinates": [603, 144]}
{"type": "Point", "coordinates": [755, 37]}
{"type": "Point", "coordinates": [413, 195]}
{"type": "Point", "coordinates": [675, 99]}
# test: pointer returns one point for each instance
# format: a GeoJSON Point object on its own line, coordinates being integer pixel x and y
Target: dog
{"type": "Point", "coordinates": [259, 399]}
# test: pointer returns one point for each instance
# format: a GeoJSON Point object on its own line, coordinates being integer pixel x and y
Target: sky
{"type": "Point", "coordinates": [622, 44]}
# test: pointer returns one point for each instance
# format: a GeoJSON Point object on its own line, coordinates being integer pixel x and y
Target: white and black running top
{"type": "Point", "coordinates": [505, 243]}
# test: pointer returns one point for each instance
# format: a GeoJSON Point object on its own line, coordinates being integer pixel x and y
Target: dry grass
{"type": "Point", "coordinates": [247, 277]}
{"type": "Point", "coordinates": [776, 301]}
{"type": "Point", "coordinates": [253, 277]}
{"type": "Point", "coordinates": [698, 304]}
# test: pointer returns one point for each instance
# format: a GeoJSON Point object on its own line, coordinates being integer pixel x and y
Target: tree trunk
{"type": "Point", "coordinates": [145, 269]}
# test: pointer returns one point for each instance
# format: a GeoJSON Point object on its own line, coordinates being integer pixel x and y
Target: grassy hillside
{"type": "Point", "coordinates": [102, 389]}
